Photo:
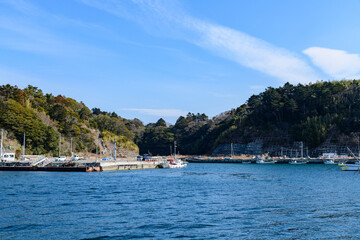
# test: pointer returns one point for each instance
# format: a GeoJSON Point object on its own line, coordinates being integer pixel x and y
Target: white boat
{"type": "Point", "coordinates": [296, 161]}
{"type": "Point", "coordinates": [329, 161]}
{"type": "Point", "coordinates": [246, 162]}
{"type": "Point", "coordinates": [350, 167]}
{"type": "Point", "coordinates": [341, 164]}
{"type": "Point", "coordinates": [265, 161]}
{"type": "Point", "coordinates": [171, 163]}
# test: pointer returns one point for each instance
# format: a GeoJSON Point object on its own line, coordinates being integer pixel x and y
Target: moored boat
{"type": "Point", "coordinates": [330, 161]}
{"type": "Point", "coordinates": [298, 161]}
{"type": "Point", "coordinates": [265, 161]}
{"type": "Point", "coordinates": [173, 163]}
{"type": "Point", "coordinates": [350, 167]}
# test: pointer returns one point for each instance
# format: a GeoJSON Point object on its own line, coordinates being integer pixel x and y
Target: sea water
{"type": "Point", "coordinates": [202, 201]}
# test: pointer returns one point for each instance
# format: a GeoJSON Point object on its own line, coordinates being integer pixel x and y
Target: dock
{"type": "Point", "coordinates": [46, 169]}
{"type": "Point", "coordinates": [87, 165]}
{"type": "Point", "coordinates": [127, 165]}
{"type": "Point", "coordinates": [276, 160]}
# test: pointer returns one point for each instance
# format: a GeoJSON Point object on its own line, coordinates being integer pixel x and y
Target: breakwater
{"type": "Point", "coordinates": [275, 160]}
{"type": "Point", "coordinates": [80, 166]}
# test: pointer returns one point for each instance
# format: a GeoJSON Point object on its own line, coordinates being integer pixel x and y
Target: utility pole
{"type": "Point", "coordinates": [100, 143]}
{"type": "Point", "coordinates": [96, 146]}
{"type": "Point", "coordinates": [71, 147]}
{"type": "Point", "coordinates": [307, 151]}
{"type": "Point", "coordinates": [358, 138]}
{"type": "Point", "coordinates": [174, 150]}
{"type": "Point", "coordinates": [59, 144]}
{"type": "Point", "coordinates": [2, 139]}
{"type": "Point", "coordinates": [23, 148]}
{"type": "Point", "coordinates": [115, 149]}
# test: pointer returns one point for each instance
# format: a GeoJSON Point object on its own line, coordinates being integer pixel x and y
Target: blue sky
{"type": "Point", "coordinates": [151, 59]}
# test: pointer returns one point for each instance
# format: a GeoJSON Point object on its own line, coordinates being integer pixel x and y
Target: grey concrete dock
{"type": "Point", "coordinates": [127, 165]}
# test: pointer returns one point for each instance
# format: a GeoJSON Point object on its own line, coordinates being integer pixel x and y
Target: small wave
{"type": "Point", "coordinates": [98, 238]}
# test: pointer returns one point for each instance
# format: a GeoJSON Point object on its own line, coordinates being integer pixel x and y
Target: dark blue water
{"type": "Point", "coordinates": [202, 201]}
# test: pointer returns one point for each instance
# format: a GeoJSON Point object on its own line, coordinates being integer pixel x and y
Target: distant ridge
{"type": "Point", "coordinates": [323, 116]}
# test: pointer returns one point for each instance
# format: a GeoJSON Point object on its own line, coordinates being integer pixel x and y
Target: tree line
{"type": "Point", "coordinates": [312, 113]}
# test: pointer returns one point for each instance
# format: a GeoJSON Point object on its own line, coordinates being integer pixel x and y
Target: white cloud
{"type": "Point", "coordinates": [157, 112]}
{"type": "Point", "coordinates": [251, 52]}
{"type": "Point", "coordinates": [31, 32]}
{"type": "Point", "coordinates": [336, 63]}
{"type": "Point", "coordinates": [23, 6]}
{"type": "Point", "coordinates": [254, 53]}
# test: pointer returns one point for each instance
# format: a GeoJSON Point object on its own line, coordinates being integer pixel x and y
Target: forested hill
{"type": "Point", "coordinates": [43, 117]}
{"type": "Point", "coordinates": [316, 114]}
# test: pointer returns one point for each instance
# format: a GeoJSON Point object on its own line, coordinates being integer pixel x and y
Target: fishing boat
{"type": "Point", "coordinates": [350, 167]}
{"type": "Point", "coordinates": [298, 161]}
{"type": "Point", "coordinates": [264, 161]}
{"type": "Point", "coordinates": [246, 162]}
{"type": "Point", "coordinates": [173, 163]}
{"type": "Point", "coordinates": [341, 164]}
{"type": "Point", "coordinates": [330, 161]}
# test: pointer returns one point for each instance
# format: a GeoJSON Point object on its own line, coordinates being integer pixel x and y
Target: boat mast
{"type": "Point", "coordinates": [2, 139]}
{"type": "Point", "coordinates": [100, 143]}
{"type": "Point", "coordinates": [352, 153]}
{"type": "Point", "coordinates": [71, 147]}
{"type": "Point", "coordinates": [232, 150]}
{"type": "Point", "coordinates": [59, 144]}
{"type": "Point", "coordinates": [114, 148]}
{"type": "Point", "coordinates": [174, 150]}
{"type": "Point", "coordinates": [96, 146]}
{"type": "Point", "coordinates": [23, 148]}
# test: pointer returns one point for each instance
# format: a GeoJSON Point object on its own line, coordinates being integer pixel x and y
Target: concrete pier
{"type": "Point", "coordinates": [127, 165]}
{"type": "Point", "coordinates": [87, 165]}
{"type": "Point", "coordinates": [276, 160]}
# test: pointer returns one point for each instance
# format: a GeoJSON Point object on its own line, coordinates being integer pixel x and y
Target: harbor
{"type": "Point", "coordinates": [271, 160]}
{"type": "Point", "coordinates": [75, 163]}
{"type": "Point", "coordinates": [78, 166]}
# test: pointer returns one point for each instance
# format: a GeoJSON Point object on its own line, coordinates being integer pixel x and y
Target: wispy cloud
{"type": "Point", "coordinates": [248, 51]}
{"type": "Point", "coordinates": [336, 63]}
{"type": "Point", "coordinates": [23, 6]}
{"type": "Point", "coordinates": [157, 112]}
{"type": "Point", "coordinates": [35, 31]}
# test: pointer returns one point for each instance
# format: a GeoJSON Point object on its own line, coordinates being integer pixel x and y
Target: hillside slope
{"type": "Point", "coordinates": [320, 115]}
{"type": "Point", "coordinates": [43, 117]}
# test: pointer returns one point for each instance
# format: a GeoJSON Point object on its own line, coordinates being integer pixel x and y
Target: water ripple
{"type": "Point", "coordinates": [202, 201]}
